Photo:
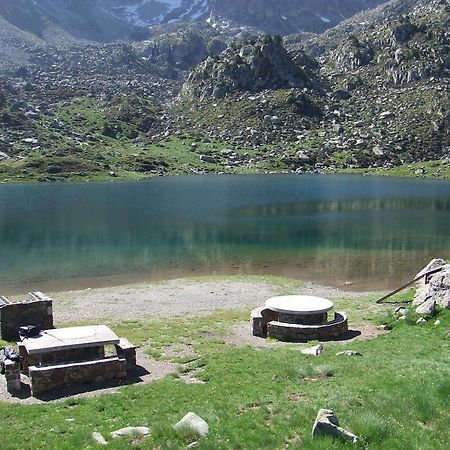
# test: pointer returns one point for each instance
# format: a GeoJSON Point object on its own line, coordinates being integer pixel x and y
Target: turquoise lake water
{"type": "Point", "coordinates": [359, 232]}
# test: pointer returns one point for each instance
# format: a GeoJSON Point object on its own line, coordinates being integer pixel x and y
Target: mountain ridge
{"type": "Point", "coordinates": [110, 20]}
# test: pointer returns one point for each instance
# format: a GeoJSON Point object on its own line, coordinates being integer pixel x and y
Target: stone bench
{"type": "Point", "coordinates": [301, 333]}
{"type": "Point", "coordinates": [51, 377]}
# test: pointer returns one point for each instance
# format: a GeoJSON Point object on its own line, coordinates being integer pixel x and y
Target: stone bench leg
{"type": "Point", "coordinates": [125, 349]}
{"type": "Point", "coordinates": [12, 375]}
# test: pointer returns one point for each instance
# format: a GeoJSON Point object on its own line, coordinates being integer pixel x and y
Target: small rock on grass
{"type": "Point", "coordinates": [98, 438]}
{"type": "Point", "coordinates": [349, 353]}
{"type": "Point", "coordinates": [328, 424]}
{"type": "Point", "coordinates": [194, 423]}
{"type": "Point", "coordinates": [421, 321]}
{"type": "Point", "coordinates": [192, 445]}
{"type": "Point", "coordinates": [315, 351]}
{"type": "Point", "coordinates": [130, 431]}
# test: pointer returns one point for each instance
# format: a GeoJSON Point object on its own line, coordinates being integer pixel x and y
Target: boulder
{"type": "Point", "coordinates": [207, 158]}
{"type": "Point", "coordinates": [98, 438]}
{"type": "Point", "coordinates": [315, 351]}
{"type": "Point", "coordinates": [328, 424]}
{"type": "Point", "coordinates": [434, 289]}
{"type": "Point", "coordinates": [427, 308]}
{"type": "Point", "coordinates": [433, 264]}
{"type": "Point", "coordinates": [194, 423]}
{"type": "Point", "coordinates": [130, 431]}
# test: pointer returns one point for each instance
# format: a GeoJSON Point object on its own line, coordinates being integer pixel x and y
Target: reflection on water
{"type": "Point", "coordinates": [373, 232]}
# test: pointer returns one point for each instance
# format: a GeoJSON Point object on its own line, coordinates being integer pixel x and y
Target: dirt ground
{"type": "Point", "coordinates": [170, 299]}
{"type": "Point", "coordinates": [173, 298]}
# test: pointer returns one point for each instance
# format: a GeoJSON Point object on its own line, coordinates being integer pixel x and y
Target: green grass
{"type": "Point", "coordinates": [396, 396]}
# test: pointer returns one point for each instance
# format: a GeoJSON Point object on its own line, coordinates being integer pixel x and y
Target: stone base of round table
{"type": "Point", "coordinates": [305, 319]}
{"type": "Point", "coordinates": [292, 332]}
{"type": "Point", "coordinates": [265, 322]}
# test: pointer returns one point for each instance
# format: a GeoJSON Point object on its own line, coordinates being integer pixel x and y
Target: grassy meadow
{"type": "Point", "coordinates": [395, 396]}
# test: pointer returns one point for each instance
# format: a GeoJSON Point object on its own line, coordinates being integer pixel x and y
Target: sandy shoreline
{"type": "Point", "coordinates": [182, 297]}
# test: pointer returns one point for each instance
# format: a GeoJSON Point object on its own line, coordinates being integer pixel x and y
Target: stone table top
{"type": "Point", "coordinates": [299, 304]}
{"type": "Point", "coordinates": [67, 338]}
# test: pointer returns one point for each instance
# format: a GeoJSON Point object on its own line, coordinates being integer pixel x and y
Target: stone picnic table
{"type": "Point", "coordinates": [297, 318]}
{"type": "Point", "coordinates": [64, 357]}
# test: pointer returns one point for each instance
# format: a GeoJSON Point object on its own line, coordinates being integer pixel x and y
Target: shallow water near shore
{"type": "Point", "coordinates": [360, 233]}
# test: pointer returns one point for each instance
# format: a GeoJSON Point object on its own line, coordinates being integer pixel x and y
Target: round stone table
{"type": "Point", "coordinates": [300, 309]}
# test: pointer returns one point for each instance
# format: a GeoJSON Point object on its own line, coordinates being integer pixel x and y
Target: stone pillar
{"type": "Point", "coordinates": [12, 375]}
{"type": "Point", "coordinates": [127, 350]}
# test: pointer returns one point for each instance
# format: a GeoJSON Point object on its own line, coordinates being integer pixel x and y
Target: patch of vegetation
{"type": "Point", "coordinates": [395, 396]}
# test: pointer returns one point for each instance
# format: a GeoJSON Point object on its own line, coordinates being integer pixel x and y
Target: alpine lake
{"type": "Point", "coordinates": [354, 232]}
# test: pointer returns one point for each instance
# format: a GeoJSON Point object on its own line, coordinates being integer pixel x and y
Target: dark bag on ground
{"type": "Point", "coordinates": [8, 353]}
{"type": "Point", "coordinates": [28, 331]}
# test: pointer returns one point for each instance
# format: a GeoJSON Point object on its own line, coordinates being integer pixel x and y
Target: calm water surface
{"type": "Point", "coordinates": [358, 232]}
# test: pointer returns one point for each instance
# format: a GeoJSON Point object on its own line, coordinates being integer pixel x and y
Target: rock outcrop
{"type": "Point", "coordinates": [434, 289]}
{"type": "Point", "coordinates": [252, 67]}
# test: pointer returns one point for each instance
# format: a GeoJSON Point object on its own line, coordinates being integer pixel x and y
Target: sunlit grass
{"type": "Point", "coordinates": [394, 396]}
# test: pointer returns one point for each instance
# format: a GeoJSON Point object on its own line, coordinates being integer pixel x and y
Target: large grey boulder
{"type": "Point", "coordinates": [434, 289]}
{"type": "Point", "coordinates": [328, 424]}
{"type": "Point", "coordinates": [194, 423]}
{"type": "Point", "coordinates": [433, 264]}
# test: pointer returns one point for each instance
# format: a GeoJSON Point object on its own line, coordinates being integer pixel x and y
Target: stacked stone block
{"type": "Point", "coordinates": [48, 378]}
{"type": "Point", "coordinates": [56, 357]}
{"type": "Point", "coordinates": [37, 311]}
{"type": "Point", "coordinates": [302, 333]}
{"type": "Point", "coordinates": [12, 376]}
{"type": "Point", "coordinates": [128, 351]}
{"type": "Point", "coordinates": [267, 323]}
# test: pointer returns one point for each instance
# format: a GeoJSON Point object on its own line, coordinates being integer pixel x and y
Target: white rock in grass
{"type": "Point", "coordinates": [315, 351]}
{"type": "Point", "coordinates": [328, 424]}
{"type": "Point", "coordinates": [194, 423]}
{"type": "Point", "coordinates": [421, 321]}
{"type": "Point", "coordinates": [349, 353]}
{"type": "Point", "coordinates": [438, 322]}
{"type": "Point", "coordinates": [98, 438]}
{"type": "Point", "coordinates": [130, 431]}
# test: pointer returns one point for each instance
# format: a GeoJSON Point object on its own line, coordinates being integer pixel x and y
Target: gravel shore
{"type": "Point", "coordinates": [177, 298]}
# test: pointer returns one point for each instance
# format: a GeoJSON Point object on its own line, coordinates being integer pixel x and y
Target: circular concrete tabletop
{"type": "Point", "coordinates": [299, 304]}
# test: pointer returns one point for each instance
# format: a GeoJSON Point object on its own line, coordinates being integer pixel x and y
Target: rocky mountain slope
{"type": "Point", "coordinates": [384, 95]}
{"type": "Point", "coordinates": [371, 93]}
